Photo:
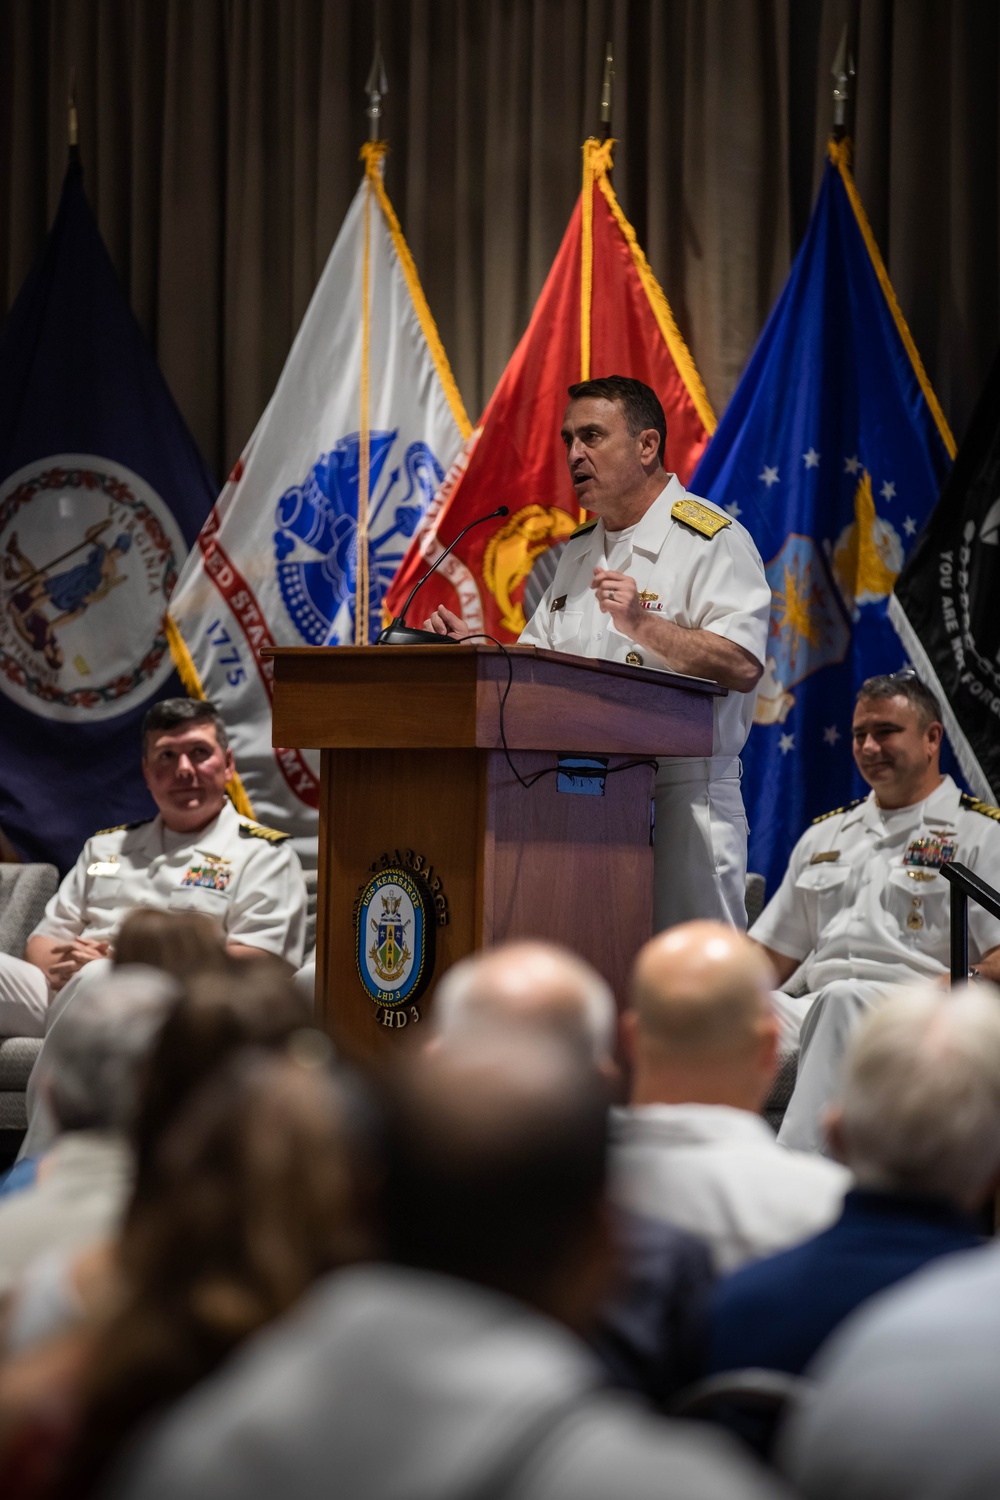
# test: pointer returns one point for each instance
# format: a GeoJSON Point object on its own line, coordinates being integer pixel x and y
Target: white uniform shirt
{"type": "Point", "coordinates": [719, 1173]}
{"type": "Point", "coordinates": [246, 877]}
{"type": "Point", "coordinates": [855, 899]}
{"type": "Point", "coordinates": [702, 583]}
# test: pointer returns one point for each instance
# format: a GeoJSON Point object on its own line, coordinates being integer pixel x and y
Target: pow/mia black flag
{"type": "Point", "coordinates": [945, 601]}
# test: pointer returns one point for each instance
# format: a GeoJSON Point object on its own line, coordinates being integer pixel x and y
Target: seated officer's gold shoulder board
{"type": "Point", "coordinates": [121, 828]}
{"type": "Point", "coordinates": [258, 831]}
{"type": "Point", "coordinates": [583, 528]}
{"type": "Point", "coordinates": [835, 810]}
{"type": "Point", "coordinates": [974, 804]}
{"type": "Point", "coordinates": [699, 517]}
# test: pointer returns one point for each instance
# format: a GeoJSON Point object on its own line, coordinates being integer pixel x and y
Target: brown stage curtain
{"type": "Point", "coordinates": [220, 140]}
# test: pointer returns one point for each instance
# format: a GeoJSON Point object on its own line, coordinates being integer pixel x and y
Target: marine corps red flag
{"type": "Point", "coordinates": [601, 312]}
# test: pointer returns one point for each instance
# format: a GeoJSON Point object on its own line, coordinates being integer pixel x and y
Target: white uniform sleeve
{"type": "Point", "coordinates": [729, 593]}
{"type": "Point", "coordinates": [63, 918]}
{"type": "Point", "coordinates": [268, 907]}
{"type": "Point", "coordinates": [784, 924]}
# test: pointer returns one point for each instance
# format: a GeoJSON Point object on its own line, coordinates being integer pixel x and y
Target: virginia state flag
{"type": "Point", "coordinates": [312, 525]}
{"type": "Point", "coordinates": [102, 491]}
{"type": "Point", "coordinates": [600, 312]}
{"type": "Point", "coordinates": [832, 452]}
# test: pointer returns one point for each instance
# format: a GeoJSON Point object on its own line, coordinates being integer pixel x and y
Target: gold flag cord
{"type": "Point", "coordinates": [840, 155]}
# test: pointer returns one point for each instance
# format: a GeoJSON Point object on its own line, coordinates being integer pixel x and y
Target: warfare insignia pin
{"type": "Point", "coordinates": [646, 596]}
{"type": "Point", "coordinates": [394, 941]}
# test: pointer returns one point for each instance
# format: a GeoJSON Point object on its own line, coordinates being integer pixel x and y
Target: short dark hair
{"type": "Point", "coordinates": [495, 1195]}
{"type": "Point", "coordinates": [904, 684]}
{"type": "Point", "coordinates": [173, 713]}
{"type": "Point", "coordinates": [639, 403]}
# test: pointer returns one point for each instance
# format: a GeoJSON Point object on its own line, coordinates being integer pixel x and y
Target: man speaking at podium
{"type": "Point", "coordinates": [666, 580]}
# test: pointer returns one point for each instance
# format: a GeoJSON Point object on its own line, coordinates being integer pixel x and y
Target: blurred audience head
{"type": "Point", "coordinates": [254, 1005]}
{"type": "Point", "coordinates": [919, 1109]}
{"type": "Point", "coordinates": [495, 1166]}
{"type": "Point", "coordinates": [95, 1056]}
{"type": "Point", "coordinates": [181, 943]}
{"type": "Point", "coordinates": [532, 983]}
{"type": "Point", "coordinates": [700, 1025]}
{"type": "Point", "coordinates": [253, 1200]}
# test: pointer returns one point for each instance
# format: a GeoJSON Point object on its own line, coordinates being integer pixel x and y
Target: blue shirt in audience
{"type": "Point", "coordinates": [774, 1314]}
{"type": "Point", "coordinates": [21, 1175]}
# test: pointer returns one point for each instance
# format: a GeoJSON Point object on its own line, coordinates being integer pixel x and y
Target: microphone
{"type": "Point", "coordinates": [397, 632]}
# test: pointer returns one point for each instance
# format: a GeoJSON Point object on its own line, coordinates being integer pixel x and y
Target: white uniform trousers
{"type": "Point", "coordinates": [836, 1012]}
{"type": "Point", "coordinates": [42, 1126]}
{"type": "Point", "coordinates": [700, 843]}
{"type": "Point", "coordinates": [24, 997]}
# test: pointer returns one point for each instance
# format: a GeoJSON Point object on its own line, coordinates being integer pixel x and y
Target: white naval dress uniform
{"type": "Point", "coordinates": [864, 913]}
{"type": "Point", "coordinates": [701, 582]}
{"type": "Point", "coordinates": [247, 877]}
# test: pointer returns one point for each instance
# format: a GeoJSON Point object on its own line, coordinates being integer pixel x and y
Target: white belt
{"type": "Point", "coordinates": [673, 771]}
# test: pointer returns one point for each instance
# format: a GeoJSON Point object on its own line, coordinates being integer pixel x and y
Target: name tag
{"type": "Point", "coordinates": [558, 604]}
{"type": "Point", "coordinates": [104, 867]}
{"type": "Point", "coordinates": [825, 857]}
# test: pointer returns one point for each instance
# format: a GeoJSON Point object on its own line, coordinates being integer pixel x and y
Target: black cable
{"type": "Point", "coordinates": [528, 782]}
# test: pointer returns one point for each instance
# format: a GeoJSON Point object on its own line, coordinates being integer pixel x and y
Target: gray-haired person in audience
{"type": "Point", "coordinates": [650, 1331]}
{"type": "Point", "coordinates": [90, 1083]}
{"type": "Point", "coordinates": [918, 1124]}
{"type": "Point", "coordinates": [454, 1367]}
{"type": "Point", "coordinates": [691, 1147]}
{"type": "Point", "coordinates": [906, 1404]}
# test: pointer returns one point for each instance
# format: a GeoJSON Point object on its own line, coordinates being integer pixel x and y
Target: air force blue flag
{"type": "Point", "coordinates": [831, 453]}
{"type": "Point", "coordinates": [102, 491]}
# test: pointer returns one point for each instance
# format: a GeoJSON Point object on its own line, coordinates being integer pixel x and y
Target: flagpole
{"type": "Point", "coordinates": [843, 76]}
{"type": "Point", "coordinates": [372, 154]}
{"type": "Point", "coordinates": [73, 121]}
{"type": "Point", "coordinates": [594, 159]}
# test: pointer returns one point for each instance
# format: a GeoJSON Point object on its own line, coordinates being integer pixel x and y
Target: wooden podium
{"type": "Point", "coordinates": [413, 765]}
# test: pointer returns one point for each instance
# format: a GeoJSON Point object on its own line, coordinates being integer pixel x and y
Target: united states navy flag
{"type": "Point", "coordinates": [102, 491]}
{"type": "Point", "coordinates": [832, 453]}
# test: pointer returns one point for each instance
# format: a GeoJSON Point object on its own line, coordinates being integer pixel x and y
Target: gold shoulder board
{"type": "Point", "coordinates": [699, 517]}
{"type": "Point", "coordinates": [835, 810]}
{"type": "Point", "coordinates": [583, 528]}
{"type": "Point", "coordinates": [258, 831]}
{"type": "Point", "coordinates": [121, 828]}
{"type": "Point", "coordinates": [986, 808]}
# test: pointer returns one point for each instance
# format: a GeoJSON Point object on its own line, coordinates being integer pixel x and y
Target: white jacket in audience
{"type": "Point", "coordinates": [720, 1173]}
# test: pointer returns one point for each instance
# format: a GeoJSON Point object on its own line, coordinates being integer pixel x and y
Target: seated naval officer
{"type": "Point", "coordinates": [197, 854]}
{"type": "Point", "coordinates": [661, 579]}
{"type": "Point", "coordinates": [862, 903]}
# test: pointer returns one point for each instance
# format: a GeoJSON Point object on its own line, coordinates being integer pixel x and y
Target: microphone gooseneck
{"type": "Point", "coordinates": [397, 632]}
